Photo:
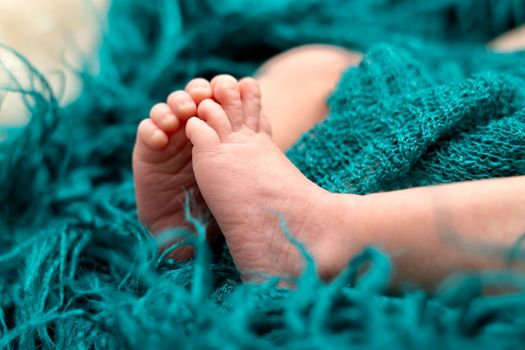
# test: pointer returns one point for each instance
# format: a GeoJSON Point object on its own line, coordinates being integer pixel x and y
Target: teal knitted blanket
{"type": "Point", "coordinates": [429, 104]}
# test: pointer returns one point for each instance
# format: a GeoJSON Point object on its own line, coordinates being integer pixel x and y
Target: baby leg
{"type": "Point", "coordinates": [510, 41]}
{"type": "Point", "coordinates": [295, 85]}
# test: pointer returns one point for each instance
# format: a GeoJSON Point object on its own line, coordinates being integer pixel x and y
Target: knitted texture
{"type": "Point", "coordinates": [396, 122]}
{"type": "Point", "coordinates": [77, 269]}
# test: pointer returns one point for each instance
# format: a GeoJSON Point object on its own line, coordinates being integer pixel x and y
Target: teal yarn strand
{"type": "Point", "coordinates": [429, 104]}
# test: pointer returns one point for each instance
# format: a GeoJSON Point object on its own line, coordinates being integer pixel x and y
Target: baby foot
{"type": "Point", "coordinates": [246, 180]}
{"type": "Point", "coordinates": [162, 166]}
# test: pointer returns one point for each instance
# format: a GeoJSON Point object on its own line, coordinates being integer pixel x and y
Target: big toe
{"type": "Point", "coordinates": [201, 134]}
{"type": "Point", "coordinates": [226, 91]}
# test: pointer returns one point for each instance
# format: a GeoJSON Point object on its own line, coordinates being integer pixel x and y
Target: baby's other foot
{"type": "Point", "coordinates": [246, 180]}
{"type": "Point", "coordinates": [162, 166]}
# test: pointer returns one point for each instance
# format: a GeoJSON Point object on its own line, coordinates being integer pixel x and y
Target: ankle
{"type": "Point", "coordinates": [341, 238]}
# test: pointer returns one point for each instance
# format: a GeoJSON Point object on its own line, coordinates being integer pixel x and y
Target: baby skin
{"type": "Point", "coordinates": [213, 140]}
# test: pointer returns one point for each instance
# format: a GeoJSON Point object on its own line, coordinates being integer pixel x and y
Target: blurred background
{"type": "Point", "coordinates": [56, 36]}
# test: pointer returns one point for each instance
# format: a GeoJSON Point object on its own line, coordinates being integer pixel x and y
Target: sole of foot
{"type": "Point", "coordinates": [248, 183]}
{"type": "Point", "coordinates": [162, 160]}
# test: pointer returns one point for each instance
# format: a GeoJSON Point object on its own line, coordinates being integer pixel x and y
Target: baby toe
{"type": "Point", "coordinates": [199, 89]}
{"type": "Point", "coordinates": [150, 135]}
{"type": "Point", "coordinates": [264, 125]}
{"type": "Point", "coordinates": [201, 134]}
{"type": "Point", "coordinates": [182, 105]}
{"type": "Point", "coordinates": [251, 102]}
{"type": "Point", "coordinates": [221, 78]}
{"type": "Point", "coordinates": [226, 92]}
{"type": "Point", "coordinates": [211, 112]}
{"type": "Point", "coordinates": [163, 117]}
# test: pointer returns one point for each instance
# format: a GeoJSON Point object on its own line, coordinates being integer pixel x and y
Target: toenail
{"type": "Point", "coordinates": [206, 102]}
{"type": "Point", "coordinates": [186, 106]}
{"type": "Point", "coordinates": [169, 119]}
{"type": "Point", "coordinates": [226, 77]}
{"type": "Point", "coordinates": [200, 87]}
{"type": "Point", "coordinates": [199, 91]}
{"type": "Point", "coordinates": [157, 135]}
{"type": "Point", "coordinates": [228, 84]}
